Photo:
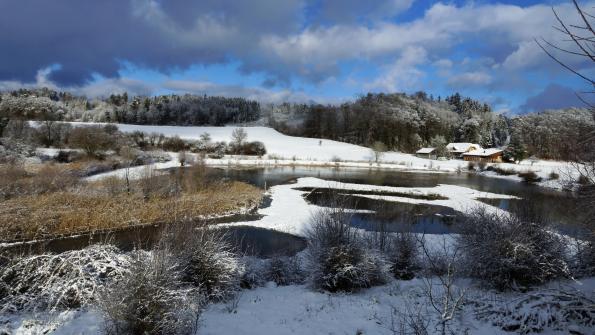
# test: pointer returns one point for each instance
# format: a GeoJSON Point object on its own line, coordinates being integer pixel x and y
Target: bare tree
{"type": "Point", "coordinates": [581, 41]}
{"type": "Point", "coordinates": [444, 297]}
{"type": "Point", "coordinates": [238, 138]}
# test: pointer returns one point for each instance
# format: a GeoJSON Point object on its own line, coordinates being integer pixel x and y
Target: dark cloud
{"type": "Point", "coordinates": [87, 37]}
{"type": "Point", "coordinates": [554, 96]}
{"type": "Point", "coordinates": [349, 11]}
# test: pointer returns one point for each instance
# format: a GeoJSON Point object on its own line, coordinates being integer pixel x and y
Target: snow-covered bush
{"type": "Point", "coordinates": [284, 270]}
{"type": "Point", "coordinates": [205, 259]}
{"type": "Point", "coordinates": [402, 253]}
{"type": "Point", "coordinates": [562, 310]}
{"type": "Point", "coordinates": [530, 177]}
{"type": "Point", "coordinates": [54, 282]}
{"type": "Point", "coordinates": [509, 252]}
{"type": "Point", "coordinates": [339, 258]}
{"type": "Point", "coordinates": [150, 298]}
{"type": "Point", "coordinates": [583, 260]}
{"type": "Point", "coordinates": [255, 148]}
{"type": "Point", "coordinates": [253, 274]}
{"type": "Point", "coordinates": [400, 249]}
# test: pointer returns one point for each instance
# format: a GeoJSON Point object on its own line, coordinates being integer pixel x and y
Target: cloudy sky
{"type": "Point", "coordinates": [293, 50]}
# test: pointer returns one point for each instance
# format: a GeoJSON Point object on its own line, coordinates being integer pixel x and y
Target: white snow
{"type": "Point", "coordinates": [482, 152]}
{"type": "Point", "coordinates": [299, 310]}
{"type": "Point", "coordinates": [425, 151]}
{"type": "Point", "coordinates": [137, 172]}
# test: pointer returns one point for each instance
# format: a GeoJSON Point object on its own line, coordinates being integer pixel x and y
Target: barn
{"type": "Point", "coordinates": [484, 155]}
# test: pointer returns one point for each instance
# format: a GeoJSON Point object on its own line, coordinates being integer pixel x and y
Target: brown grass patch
{"type": "Point", "coordinates": [64, 213]}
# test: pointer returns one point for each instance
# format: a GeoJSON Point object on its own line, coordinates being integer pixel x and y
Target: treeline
{"type": "Point", "coordinates": [184, 110]}
{"type": "Point", "coordinates": [402, 122]}
{"type": "Point", "coordinates": [560, 135]}
{"type": "Point", "coordinates": [399, 121]}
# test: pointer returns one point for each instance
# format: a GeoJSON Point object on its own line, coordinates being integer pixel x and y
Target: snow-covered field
{"type": "Point", "coordinates": [290, 150]}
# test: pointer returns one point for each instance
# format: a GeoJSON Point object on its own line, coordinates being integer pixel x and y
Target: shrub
{"type": "Point", "coordinates": [338, 258]}
{"type": "Point", "coordinates": [504, 172]}
{"type": "Point", "coordinates": [253, 274]}
{"type": "Point", "coordinates": [255, 148]}
{"type": "Point", "coordinates": [471, 166]}
{"type": "Point", "coordinates": [284, 271]}
{"type": "Point", "coordinates": [150, 299]}
{"type": "Point", "coordinates": [56, 282]}
{"type": "Point", "coordinates": [583, 262]}
{"type": "Point", "coordinates": [583, 180]}
{"type": "Point", "coordinates": [402, 254]}
{"type": "Point", "coordinates": [206, 259]}
{"type": "Point", "coordinates": [554, 176]}
{"type": "Point", "coordinates": [530, 177]}
{"type": "Point", "coordinates": [175, 144]}
{"type": "Point", "coordinates": [482, 165]}
{"type": "Point", "coordinates": [65, 156]}
{"type": "Point", "coordinates": [15, 181]}
{"type": "Point", "coordinates": [92, 139]}
{"type": "Point", "coordinates": [510, 252]}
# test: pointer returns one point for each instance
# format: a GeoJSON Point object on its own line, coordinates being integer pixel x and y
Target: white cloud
{"type": "Point", "coordinates": [402, 75]}
{"type": "Point", "coordinates": [468, 79]}
{"type": "Point", "coordinates": [315, 52]}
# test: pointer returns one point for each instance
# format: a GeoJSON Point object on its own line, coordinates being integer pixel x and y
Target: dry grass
{"type": "Point", "coordinates": [69, 212]}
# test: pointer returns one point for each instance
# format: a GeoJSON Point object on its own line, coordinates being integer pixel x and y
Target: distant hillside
{"type": "Point", "coordinates": [399, 121]}
{"type": "Point", "coordinates": [396, 121]}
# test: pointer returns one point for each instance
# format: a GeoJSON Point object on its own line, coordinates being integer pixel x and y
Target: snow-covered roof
{"type": "Point", "coordinates": [462, 147]}
{"type": "Point", "coordinates": [483, 152]}
{"type": "Point", "coordinates": [425, 151]}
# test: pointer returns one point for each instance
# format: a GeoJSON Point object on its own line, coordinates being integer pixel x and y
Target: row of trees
{"type": "Point", "coordinates": [397, 121]}
{"type": "Point", "coordinates": [159, 110]}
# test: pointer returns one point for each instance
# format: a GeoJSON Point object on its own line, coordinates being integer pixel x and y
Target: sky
{"type": "Point", "coordinates": [324, 51]}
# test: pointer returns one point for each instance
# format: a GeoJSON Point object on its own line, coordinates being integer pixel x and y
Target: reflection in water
{"type": "Point", "coordinates": [428, 224]}
{"type": "Point", "coordinates": [249, 240]}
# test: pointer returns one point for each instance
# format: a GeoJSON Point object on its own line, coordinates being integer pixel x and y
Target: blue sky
{"type": "Point", "coordinates": [326, 51]}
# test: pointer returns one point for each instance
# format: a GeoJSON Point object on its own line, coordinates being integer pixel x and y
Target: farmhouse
{"type": "Point", "coordinates": [429, 153]}
{"type": "Point", "coordinates": [458, 149]}
{"type": "Point", "coordinates": [484, 155]}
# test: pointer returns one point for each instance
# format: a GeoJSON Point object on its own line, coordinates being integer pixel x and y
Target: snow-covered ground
{"type": "Point", "coordinates": [299, 310]}
{"type": "Point", "coordinates": [290, 150]}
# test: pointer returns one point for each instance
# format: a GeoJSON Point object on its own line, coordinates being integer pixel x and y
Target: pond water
{"type": "Point", "coordinates": [248, 240]}
{"type": "Point", "coordinates": [389, 216]}
{"type": "Point", "coordinates": [560, 207]}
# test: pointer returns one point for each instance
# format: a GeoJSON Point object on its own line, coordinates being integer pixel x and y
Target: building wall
{"type": "Point", "coordinates": [488, 159]}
